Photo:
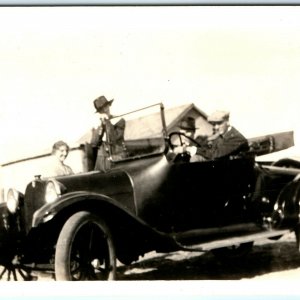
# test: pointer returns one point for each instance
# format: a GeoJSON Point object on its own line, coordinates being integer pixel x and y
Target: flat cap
{"type": "Point", "coordinates": [218, 116]}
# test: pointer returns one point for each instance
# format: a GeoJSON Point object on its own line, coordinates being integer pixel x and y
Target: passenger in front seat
{"type": "Point", "coordinates": [226, 140]}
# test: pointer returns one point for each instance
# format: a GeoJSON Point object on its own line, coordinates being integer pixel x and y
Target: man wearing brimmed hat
{"type": "Point", "coordinates": [104, 136]}
{"type": "Point", "coordinates": [226, 140]}
{"type": "Point", "coordinates": [102, 105]}
{"type": "Point", "coordinates": [187, 126]}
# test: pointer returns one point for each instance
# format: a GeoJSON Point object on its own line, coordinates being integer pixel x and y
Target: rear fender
{"type": "Point", "coordinates": [286, 208]}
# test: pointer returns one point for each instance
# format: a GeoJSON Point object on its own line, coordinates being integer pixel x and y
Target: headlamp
{"type": "Point", "coordinates": [13, 200]}
{"type": "Point", "coordinates": [53, 191]}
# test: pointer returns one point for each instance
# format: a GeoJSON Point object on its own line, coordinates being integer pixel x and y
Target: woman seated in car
{"type": "Point", "coordinates": [57, 167]}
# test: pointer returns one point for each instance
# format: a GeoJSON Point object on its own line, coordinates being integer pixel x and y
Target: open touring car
{"type": "Point", "coordinates": [78, 226]}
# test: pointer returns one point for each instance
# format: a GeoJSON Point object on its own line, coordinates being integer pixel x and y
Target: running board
{"type": "Point", "coordinates": [207, 246]}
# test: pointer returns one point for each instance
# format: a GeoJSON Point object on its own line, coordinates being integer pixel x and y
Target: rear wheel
{"type": "Point", "coordinates": [85, 249]}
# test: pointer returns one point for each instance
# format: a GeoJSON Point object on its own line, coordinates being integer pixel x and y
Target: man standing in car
{"type": "Point", "coordinates": [103, 135]}
{"type": "Point", "coordinates": [225, 140]}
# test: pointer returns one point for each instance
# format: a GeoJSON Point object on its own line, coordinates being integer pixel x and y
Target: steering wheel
{"type": "Point", "coordinates": [181, 136]}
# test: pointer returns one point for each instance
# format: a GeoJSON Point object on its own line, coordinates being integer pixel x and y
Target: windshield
{"type": "Point", "coordinates": [139, 133]}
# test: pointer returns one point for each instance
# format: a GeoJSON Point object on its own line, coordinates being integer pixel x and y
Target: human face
{"type": "Point", "coordinates": [106, 110]}
{"type": "Point", "coordinates": [61, 153]}
{"type": "Point", "coordinates": [220, 127]}
{"type": "Point", "coordinates": [104, 113]}
{"type": "Point", "coordinates": [188, 133]}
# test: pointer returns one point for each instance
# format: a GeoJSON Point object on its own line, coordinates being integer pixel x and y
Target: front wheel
{"type": "Point", "coordinates": [16, 272]}
{"type": "Point", "coordinates": [85, 249]}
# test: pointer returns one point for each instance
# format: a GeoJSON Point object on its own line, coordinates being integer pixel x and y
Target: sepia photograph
{"type": "Point", "coordinates": [155, 147]}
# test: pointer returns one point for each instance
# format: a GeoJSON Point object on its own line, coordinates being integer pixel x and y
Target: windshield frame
{"type": "Point", "coordinates": [163, 135]}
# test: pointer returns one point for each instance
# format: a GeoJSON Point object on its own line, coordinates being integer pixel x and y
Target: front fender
{"type": "Point", "coordinates": [70, 201]}
{"type": "Point", "coordinates": [132, 236]}
{"type": "Point", "coordinates": [286, 209]}
{"type": "Point", "coordinates": [10, 234]}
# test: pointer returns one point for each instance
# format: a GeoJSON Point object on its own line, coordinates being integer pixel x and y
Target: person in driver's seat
{"type": "Point", "coordinates": [188, 127]}
{"type": "Point", "coordinates": [225, 140]}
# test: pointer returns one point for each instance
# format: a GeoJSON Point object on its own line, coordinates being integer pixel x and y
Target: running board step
{"type": "Point", "coordinates": [207, 246]}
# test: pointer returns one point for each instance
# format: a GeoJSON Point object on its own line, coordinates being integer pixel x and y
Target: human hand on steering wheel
{"type": "Point", "coordinates": [191, 150]}
{"type": "Point", "coordinates": [176, 136]}
{"type": "Point", "coordinates": [184, 147]}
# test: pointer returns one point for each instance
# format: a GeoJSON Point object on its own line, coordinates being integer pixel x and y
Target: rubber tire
{"type": "Point", "coordinates": [65, 245]}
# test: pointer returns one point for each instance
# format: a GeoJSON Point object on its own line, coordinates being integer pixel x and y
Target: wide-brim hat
{"type": "Point", "coordinates": [188, 123]}
{"type": "Point", "coordinates": [101, 102]}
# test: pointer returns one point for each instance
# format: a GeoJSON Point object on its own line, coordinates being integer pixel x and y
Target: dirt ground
{"type": "Point", "coordinates": [270, 271]}
{"type": "Point", "coordinates": [268, 259]}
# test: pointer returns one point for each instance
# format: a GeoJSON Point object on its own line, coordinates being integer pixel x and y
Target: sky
{"type": "Point", "coordinates": [56, 60]}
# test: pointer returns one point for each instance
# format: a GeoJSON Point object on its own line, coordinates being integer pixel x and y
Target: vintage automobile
{"type": "Point", "coordinates": [78, 226]}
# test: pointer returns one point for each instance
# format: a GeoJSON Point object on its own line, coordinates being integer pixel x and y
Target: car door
{"type": "Point", "coordinates": [210, 194]}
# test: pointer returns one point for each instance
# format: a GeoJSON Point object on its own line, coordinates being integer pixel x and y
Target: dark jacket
{"type": "Point", "coordinates": [231, 143]}
{"type": "Point", "coordinates": [113, 144]}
